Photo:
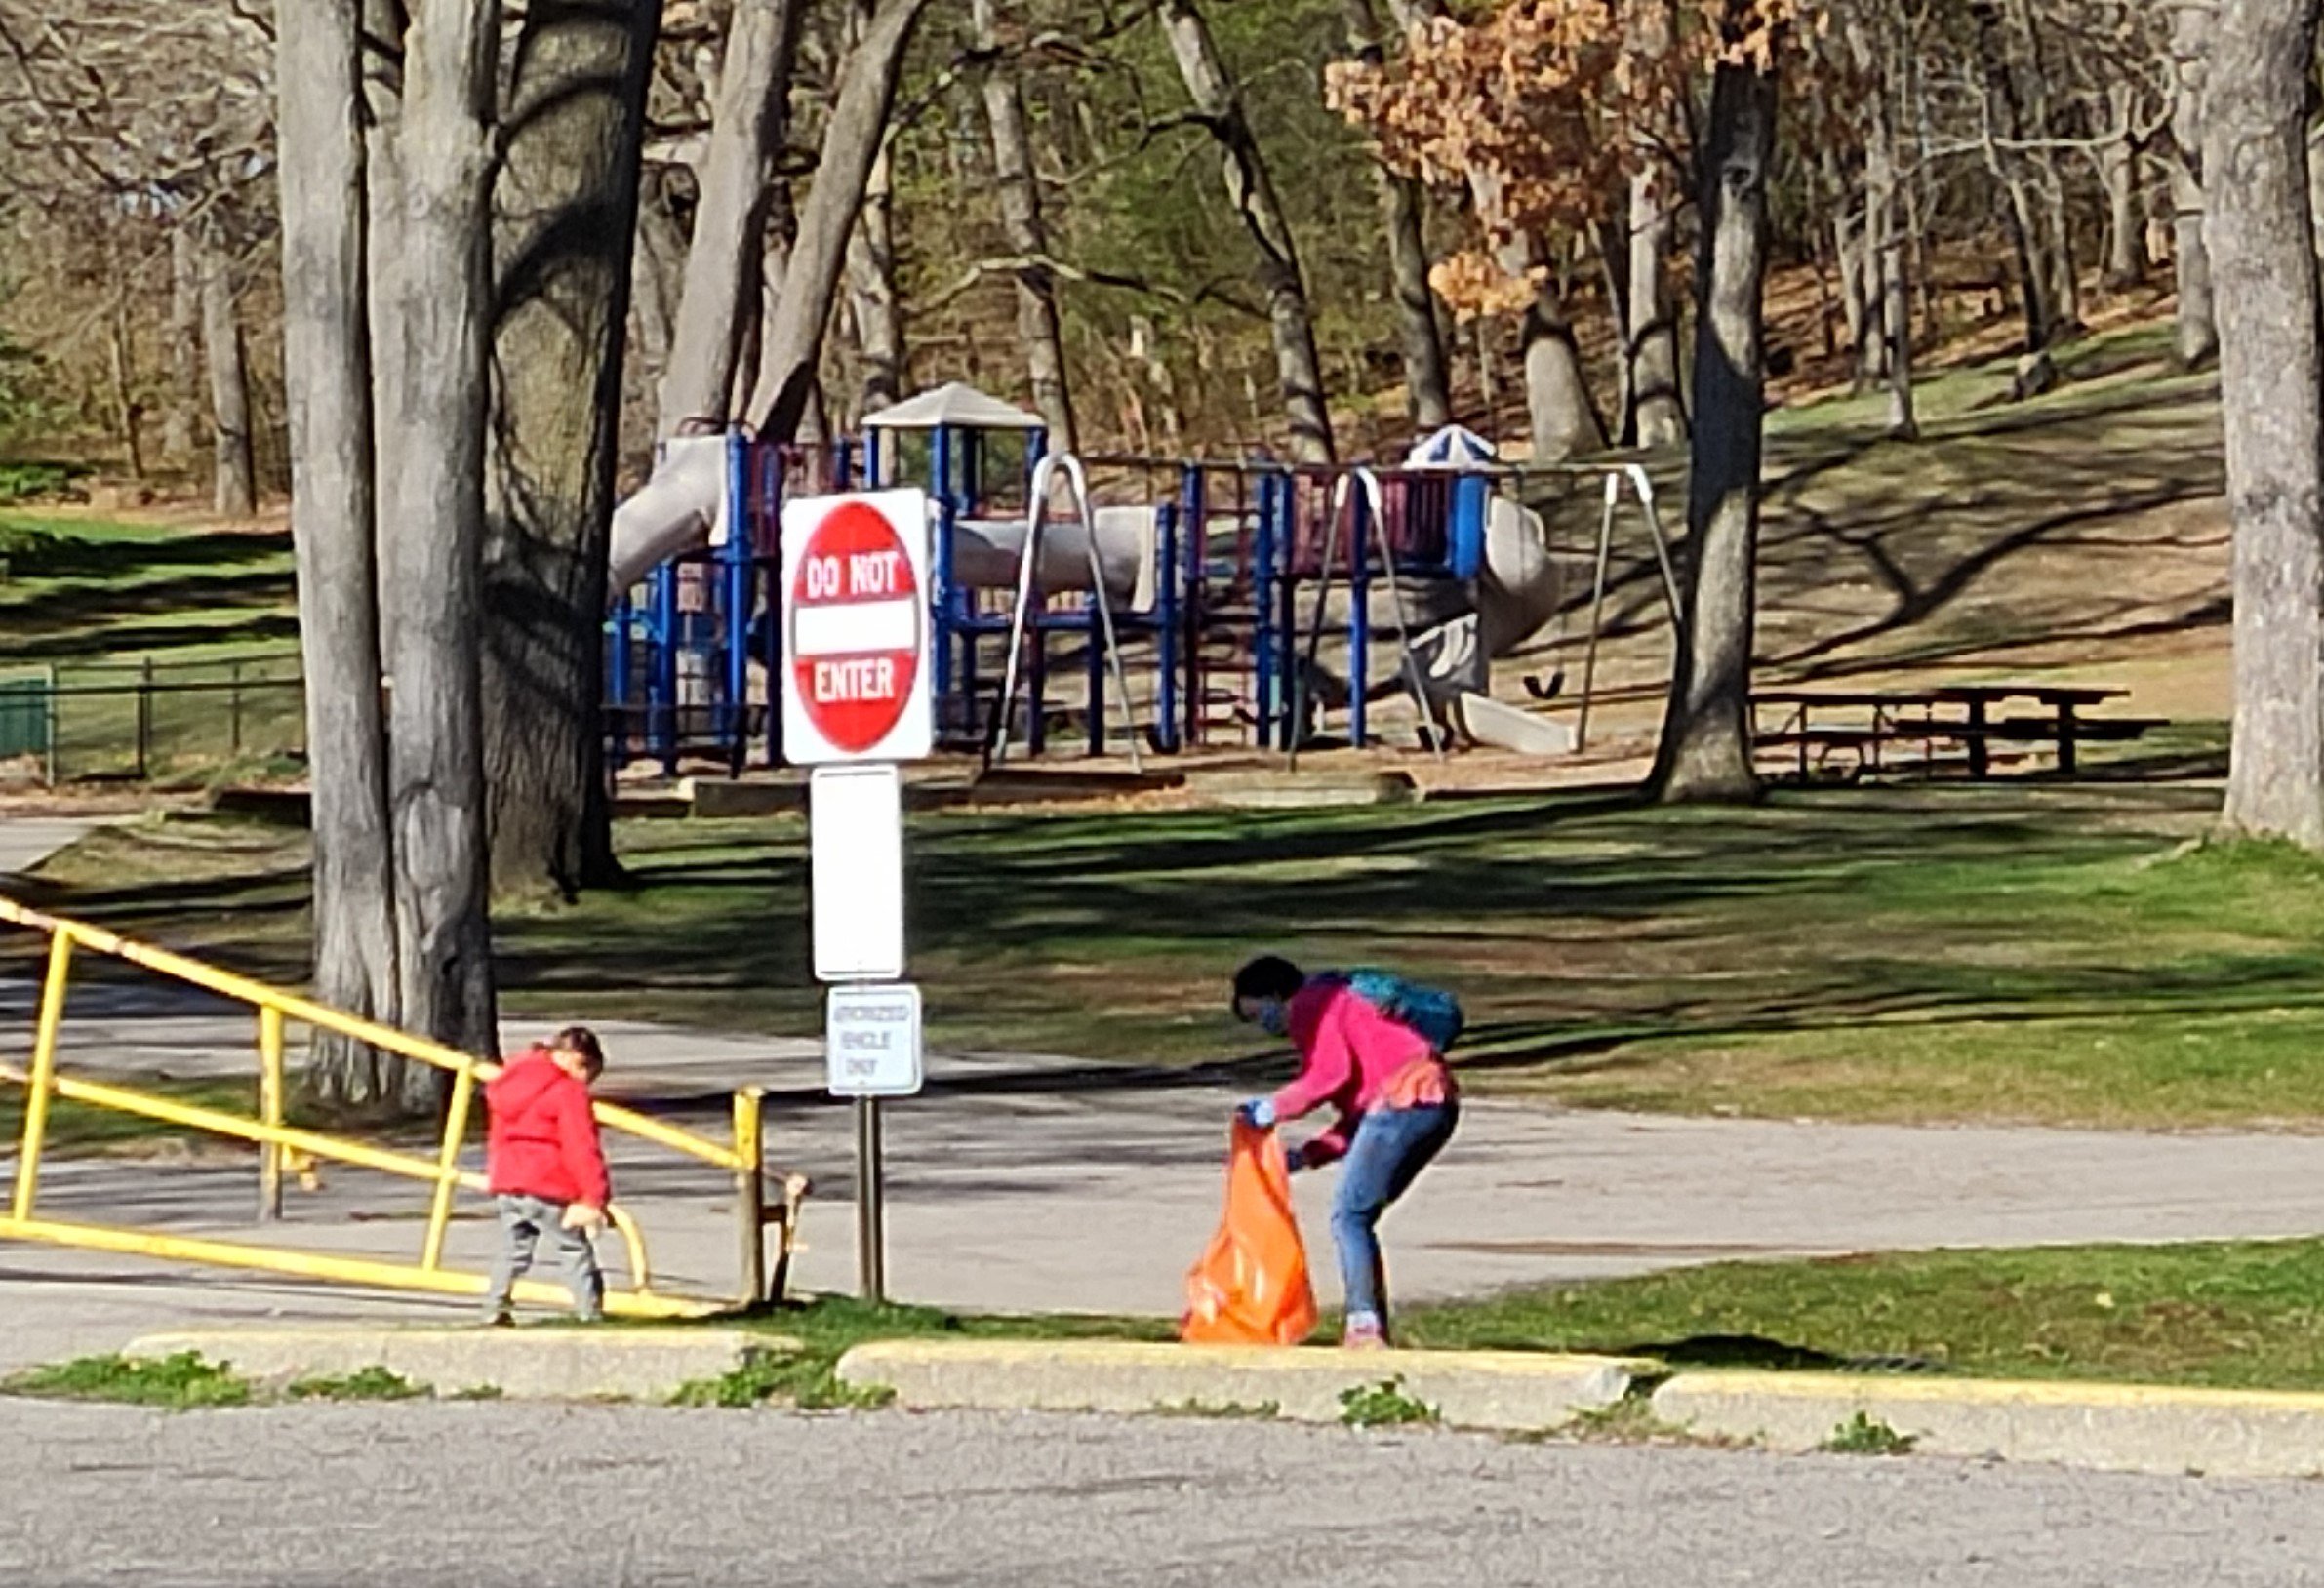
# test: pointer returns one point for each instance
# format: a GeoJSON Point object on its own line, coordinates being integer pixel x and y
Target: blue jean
{"type": "Point", "coordinates": [1391, 1146]}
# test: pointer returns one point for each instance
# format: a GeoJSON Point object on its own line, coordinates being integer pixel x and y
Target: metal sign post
{"type": "Point", "coordinates": [855, 702]}
{"type": "Point", "coordinates": [871, 1051]}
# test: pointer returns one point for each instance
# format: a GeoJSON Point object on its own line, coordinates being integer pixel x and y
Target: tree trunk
{"type": "Point", "coordinates": [2062, 274]}
{"type": "Point", "coordinates": [1037, 323]}
{"type": "Point", "coordinates": [185, 345]}
{"type": "Point", "coordinates": [2316, 186]}
{"type": "Point", "coordinates": [2004, 118]}
{"type": "Point", "coordinates": [723, 262]}
{"type": "Point", "coordinates": [1890, 311]}
{"type": "Point", "coordinates": [1657, 410]}
{"type": "Point", "coordinates": [327, 376]}
{"type": "Point", "coordinates": [123, 370]}
{"type": "Point", "coordinates": [1251, 192]}
{"type": "Point", "coordinates": [565, 216]}
{"type": "Point", "coordinates": [2271, 364]}
{"type": "Point", "coordinates": [1705, 749]}
{"type": "Point", "coordinates": [1851, 247]}
{"type": "Point", "coordinates": [436, 300]}
{"type": "Point", "coordinates": [1563, 420]}
{"type": "Point", "coordinates": [235, 493]}
{"type": "Point", "coordinates": [1403, 212]}
{"type": "Point", "coordinates": [2197, 326]}
{"type": "Point", "coordinates": [1661, 415]}
{"type": "Point", "coordinates": [873, 301]}
{"type": "Point", "coordinates": [2118, 171]}
{"type": "Point", "coordinates": [792, 349]}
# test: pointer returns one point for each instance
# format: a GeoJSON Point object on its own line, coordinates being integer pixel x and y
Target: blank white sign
{"type": "Point", "coordinates": [854, 843]}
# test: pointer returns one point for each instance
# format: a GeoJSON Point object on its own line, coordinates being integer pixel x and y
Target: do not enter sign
{"type": "Point", "coordinates": [854, 609]}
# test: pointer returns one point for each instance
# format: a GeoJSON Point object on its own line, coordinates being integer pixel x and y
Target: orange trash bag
{"type": "Point", "coordinates": [1250, 1287]}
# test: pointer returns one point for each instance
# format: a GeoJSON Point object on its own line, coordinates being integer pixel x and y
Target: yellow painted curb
{"type": "Point", "coordinates": [2043, 1392]}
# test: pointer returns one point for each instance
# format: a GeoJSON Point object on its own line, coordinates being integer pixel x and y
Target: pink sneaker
{"type": "Point", "coordinates": [1364, 1336]}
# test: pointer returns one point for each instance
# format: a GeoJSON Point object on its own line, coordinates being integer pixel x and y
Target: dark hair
{"type": "Point", "coordinates": [1270, 975]}
{"type": "Point", "coordinates": [579, 1039]}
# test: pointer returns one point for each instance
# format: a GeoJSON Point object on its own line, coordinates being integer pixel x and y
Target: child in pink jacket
{"type": "Point", "coordinates": [1393, 1102]}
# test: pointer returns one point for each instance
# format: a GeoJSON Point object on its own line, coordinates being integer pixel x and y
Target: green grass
{"type": "Point", "coordinates": [2246, 1314]}
{"type": "Point", "coordinates": [1383, 1405]}
{"type": "Point", "coordinates": [83, 589]}
{"type": "Point", "coordinates": [1860, 1435]}
{"type": "Point", "coordinates": [372, 1383]}
{"type": "Point", "coordinates": [2061, 953]}
{"type": "Point", "coordinates": [182, 1382]}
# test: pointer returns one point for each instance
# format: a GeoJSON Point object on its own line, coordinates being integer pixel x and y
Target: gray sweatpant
{"type": "Point", "coordinates": [523, 1221]}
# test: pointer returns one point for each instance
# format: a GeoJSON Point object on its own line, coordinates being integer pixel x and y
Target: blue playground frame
{"type": "Point", "coordinates": [1226, 605]}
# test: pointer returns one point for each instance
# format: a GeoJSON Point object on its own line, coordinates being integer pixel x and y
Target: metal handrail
{"type": "Point", "coordinates": [276, 1140]}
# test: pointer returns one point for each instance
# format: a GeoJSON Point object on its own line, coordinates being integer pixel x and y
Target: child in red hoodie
{"type": "Point", "coordinates": [546, 1168]}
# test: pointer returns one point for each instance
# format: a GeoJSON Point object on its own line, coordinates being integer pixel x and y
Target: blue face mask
{"type": "Point", "coordinates": [1274, 1017]}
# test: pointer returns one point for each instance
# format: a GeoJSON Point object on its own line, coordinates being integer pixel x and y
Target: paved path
{"type": "Point", "coordinates": [495, 1496]}
{"type": "Point", "coordinates": [27, 841]}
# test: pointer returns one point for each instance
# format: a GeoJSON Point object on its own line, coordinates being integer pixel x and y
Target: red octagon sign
{"type": "Point", "coordinates": [855, 632]}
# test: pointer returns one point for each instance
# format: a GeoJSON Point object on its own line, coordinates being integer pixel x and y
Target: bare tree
{"type": "Point", "coordinates": [1888, 306]}
{"type": "Point", "coordinates": [1037, 324]}
{"type": "Point", "coordinates": [2259, 232]}
{"type": "Point", "coordinates": [1705, 749]}
{"type": "Point", "coordinates": [794, 332]}
{"type": "Point", "coordinates": [2198, 338]}
{"type": "Point", "coordinates": [724, 261]}
{"type": "Point", "coordinates": [235, 493]}
{"type": "Point", "coordinates": [1651, 308]}
{"type": "Point", "coordinates": [326, 366]}
{"type": "Point", "coordinates": [874, 303]}
{"type": "Point", "coordinates": [433, 296]}
{"type": "Point", "coordinates": [184, 346]}
{"type": "Point", "coordinates": [2119, 160]}
{"type": "Point", "coordinates": [565, 203]}
{"type": "Point", "coordinates": [1403, 212]}
{"type": "Point", "coordinates": [1251, 192]}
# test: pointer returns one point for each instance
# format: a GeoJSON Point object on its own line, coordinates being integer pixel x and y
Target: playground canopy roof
{"type": "Point", "coordinates": [953, 405]}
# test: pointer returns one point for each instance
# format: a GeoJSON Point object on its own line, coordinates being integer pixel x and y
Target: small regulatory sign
{"type": "Point", "coordinates": [855, 616]}
{"type": "Point", "coordinates": [872, 1041]}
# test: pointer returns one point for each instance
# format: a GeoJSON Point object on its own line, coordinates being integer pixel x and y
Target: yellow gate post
{"type": "Point", "coordinates": [750, 1214]}
{"type": "Point", "coordinates": [43, 1079]}
{"type": "Point", "coordinates": [271, 1106]}
{"type": "Point", "coordinates": [456, 1129]}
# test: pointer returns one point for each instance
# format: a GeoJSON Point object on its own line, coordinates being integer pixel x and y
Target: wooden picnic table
{"type": "Point", "coordinates": [1976, 731]}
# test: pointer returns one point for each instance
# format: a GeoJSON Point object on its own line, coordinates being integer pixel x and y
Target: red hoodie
{"type": "Point", "coordinates": [543, 1141]}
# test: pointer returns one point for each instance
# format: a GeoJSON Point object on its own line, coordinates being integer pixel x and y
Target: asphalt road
{"type": "Point", "coordinates": [487, 1495]}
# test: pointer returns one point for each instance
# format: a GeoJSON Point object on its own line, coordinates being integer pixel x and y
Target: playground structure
{"type": "Point", "coordinates": [1161, 605]}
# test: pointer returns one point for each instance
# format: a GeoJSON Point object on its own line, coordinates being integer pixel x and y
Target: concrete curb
{"type": "Point", "coordinates": [2107, 1427]}
{"type": "Point", "coordinates": [520, 1363]}
{"type": "Point", "coordinates": [1471, 1389]}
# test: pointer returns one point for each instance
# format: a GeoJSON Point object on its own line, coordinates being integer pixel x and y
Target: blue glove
{"type": "Point", "coordinates": [1258, 1113]}
{"type": "Point", "coordinates": [1295, 1159]}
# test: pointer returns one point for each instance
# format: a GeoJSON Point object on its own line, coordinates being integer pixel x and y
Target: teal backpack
{"type": "Point", "coordinates": [1431, 1011]}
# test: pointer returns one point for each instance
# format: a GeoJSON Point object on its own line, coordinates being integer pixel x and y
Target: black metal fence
{"type": "Point", "coordinates": [149, 720]}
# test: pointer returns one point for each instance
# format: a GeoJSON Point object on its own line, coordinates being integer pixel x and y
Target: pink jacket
{"type": "Point", "coordinates": [1350, 1053]}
